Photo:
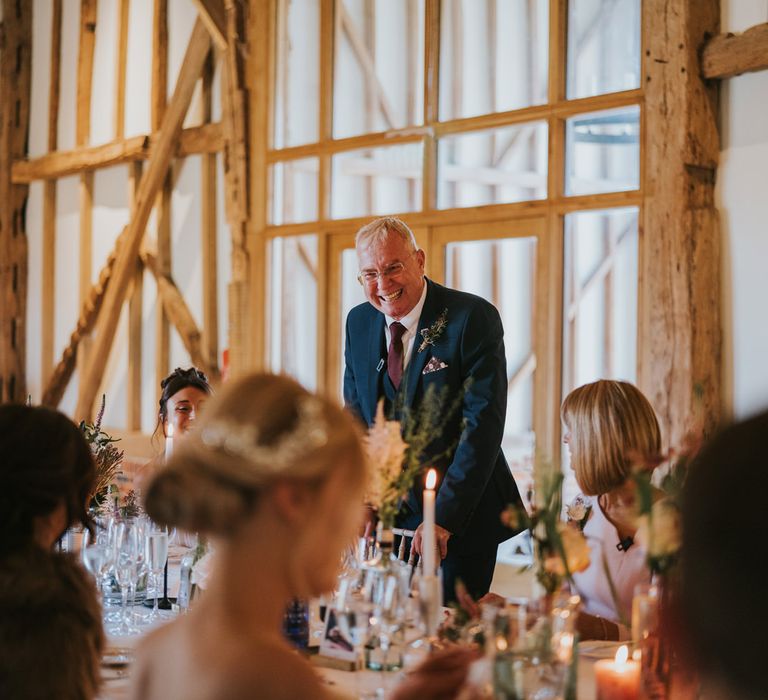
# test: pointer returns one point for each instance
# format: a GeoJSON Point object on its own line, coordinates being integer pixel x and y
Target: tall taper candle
{"type": "Point", "coordinates": [428, 534]}
{"type": "Point", "coordinates": [168, 441]}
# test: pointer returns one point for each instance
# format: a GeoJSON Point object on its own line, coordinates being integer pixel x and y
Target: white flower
{"type": "Point", "coordinates": [386, 451]}
{"type": "Point", "coordinates": [576, 552]}
{"type": "Point", "coordinates": [576, 509]}
{"type": "Point", "coordinates": [660, 534]}
{"type": "Point", "coordinates": [202, 569]}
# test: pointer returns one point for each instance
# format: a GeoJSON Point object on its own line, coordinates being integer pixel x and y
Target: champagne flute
{"type": "Point", "coordinates": [127, 561]}
{"type": "Point", "coordinates": [156, 557]}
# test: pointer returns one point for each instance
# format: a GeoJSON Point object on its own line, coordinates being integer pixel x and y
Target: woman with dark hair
{"type": "Point", "coordinates": [723, 608]}
{"type": "Point", "coordinates": [50, 620]}
{"type": "Point", "coordinates": [184, 392]}
{"type": "Point", "coordinates": [47, 474]}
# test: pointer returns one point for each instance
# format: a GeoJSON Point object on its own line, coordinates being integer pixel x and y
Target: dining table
{"type": "Point", "coordinates": [116, 669]}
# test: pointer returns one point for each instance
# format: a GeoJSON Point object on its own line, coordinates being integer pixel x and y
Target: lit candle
{"type": "Point", "coordinates": [618, 679]}
{"type": "Point", "coordinates": [168, 441]}
{"type": "Point", "coordinates": [428, 544]}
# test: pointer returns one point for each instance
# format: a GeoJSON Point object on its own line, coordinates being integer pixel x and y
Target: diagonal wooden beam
{"type": "Point", "coordinates": [151, 182]}
{"type": "Point", "coordinates": [180, 316]}
{"type": "Point", "coordinates": [727, 55]}
{"type": "Point", "coordinates": [213, 15]}
{"type": "Point", "coordinates": [57, 384]}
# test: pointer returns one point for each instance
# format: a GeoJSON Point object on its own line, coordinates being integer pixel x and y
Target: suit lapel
{"type": "Point", "coordinates": [418, 360]}
{"type": "Point", "coordinates": [376, 340]}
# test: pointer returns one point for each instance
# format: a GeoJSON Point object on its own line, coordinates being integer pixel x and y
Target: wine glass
{"type": "Point", "coordinates": [156, 557]}
{"type": "Point", "coordinates": [128, 560]}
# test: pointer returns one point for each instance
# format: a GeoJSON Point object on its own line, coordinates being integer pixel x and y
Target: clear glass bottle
{"type": "Point", "coordinates": [186, 588]}
{"type": "Point", "coordinates": [387, 584]}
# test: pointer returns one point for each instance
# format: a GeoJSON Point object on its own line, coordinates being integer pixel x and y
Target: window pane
{"type": "Point", "coordinates": [351, 295]}
{"type": "Point", "coordinates": [603, 46]}
{"type": "Point", "coordinates": [602, 151]}
{"type": "Point", "coordinates": [375, 181]}
{"type": "Point", "coordinates": [599, 301]}
{"type": "Point", "coordinates": [294, 191]}
{"type": "Point", "coordinates": [502, 271]}
{"type": "Point", "coordinates": [378, 81]}
{"type": "Point", "coordinates": [293, 307]}
{"type": "Point", "coordinates": [297, 74]}
{"type": "Point", "coordinates": [493, 166]}
{"type": "Point", "coordinates": [493, 56]}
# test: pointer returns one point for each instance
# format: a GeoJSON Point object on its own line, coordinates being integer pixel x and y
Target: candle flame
{"type": "Point", "coordinates": [622, 654]}
{"type": "Point", "coordinates": [431, 479]}
{"type": "Point", "coordinates": [169, 430]}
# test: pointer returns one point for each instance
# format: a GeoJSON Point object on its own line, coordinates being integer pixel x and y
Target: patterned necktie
{"type": "Point", "coordinates": [395, 353]}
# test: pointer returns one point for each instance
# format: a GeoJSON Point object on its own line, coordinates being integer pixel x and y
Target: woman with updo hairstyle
{"type": "Point", "coordinates": [183, 394]}
{"type": "Point", "coordinates": [274, 476]}
{"type": "Point", "coordinates": [610, 428]}
{"type": "Point", "coordinates": [50, 619]}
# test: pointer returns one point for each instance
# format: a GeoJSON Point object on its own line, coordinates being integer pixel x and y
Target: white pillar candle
{"type": "Point", "coordinates": [429, 545]}
{"type": "Point", "coordinates": [168, 441]}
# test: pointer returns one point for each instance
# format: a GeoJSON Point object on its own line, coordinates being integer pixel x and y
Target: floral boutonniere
{"type": "Point", "coordinates": [578, 511]}
{"type": "Point", "coordinates": [431, 334]}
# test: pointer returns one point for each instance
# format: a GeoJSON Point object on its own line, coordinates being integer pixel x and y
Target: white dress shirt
{"type": "Point", "coordinates": [411, 323]}
{"type": "Point", "coordinates": [627, 569]}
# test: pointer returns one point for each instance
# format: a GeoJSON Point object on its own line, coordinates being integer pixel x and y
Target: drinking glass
{"type": "Point", "coordinates": [156, 557]}
{"type": "Point", "coordinates": [128, 562]}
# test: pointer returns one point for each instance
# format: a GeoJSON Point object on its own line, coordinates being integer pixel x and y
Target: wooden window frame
{"type": "Point", "coordinates": [435, 225]}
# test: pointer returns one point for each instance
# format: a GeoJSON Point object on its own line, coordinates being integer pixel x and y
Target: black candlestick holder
{"type": "Point", "coordinates": [164, 603]}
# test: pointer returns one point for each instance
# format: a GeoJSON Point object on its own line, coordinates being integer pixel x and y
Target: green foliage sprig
{"type": "Point", "coordinates": [560, 549]}
{"type": "Point", "coordinates": [107, 457]}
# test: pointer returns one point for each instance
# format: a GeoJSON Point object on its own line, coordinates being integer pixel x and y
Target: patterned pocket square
{"type": "Point", "coordinates": [435, 364]}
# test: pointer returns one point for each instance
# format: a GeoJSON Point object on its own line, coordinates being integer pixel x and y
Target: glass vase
{"type": "Point", "coordinates": [531, 645]}
{"type": "Point", "coordinates": [649, 637]}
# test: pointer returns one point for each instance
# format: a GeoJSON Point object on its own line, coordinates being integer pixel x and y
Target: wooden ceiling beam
{"type": "Point", "coordinates": [208, 138]}
{"type": "Point", "coordinates": [150, 185]}
{"type": "Point", "coordinates": [727, 55]}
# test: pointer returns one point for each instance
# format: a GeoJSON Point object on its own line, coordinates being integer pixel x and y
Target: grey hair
{"type": "Point", "coordinates": [378, 229]}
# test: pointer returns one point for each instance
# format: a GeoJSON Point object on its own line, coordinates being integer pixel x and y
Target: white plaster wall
{"type": "Point", "coordinates": [742, 198]}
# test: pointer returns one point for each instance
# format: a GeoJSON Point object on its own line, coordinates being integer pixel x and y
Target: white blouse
{"type": "Point", "coordinates": [627, 568]}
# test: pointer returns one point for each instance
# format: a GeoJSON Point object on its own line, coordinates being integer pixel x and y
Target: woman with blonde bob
{"type": "Point", "coordinates": [610, 427]}
{"type": "Point", "coordinates": [274, 476]}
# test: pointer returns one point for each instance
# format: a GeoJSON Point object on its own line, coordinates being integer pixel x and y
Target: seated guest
{"type": "Point", "coordinates": [275, 477]}
{"type": "Point", "coordinates": [184, 393]}
{"type": "Point", "coordinates": [50, 619]}
{"type": "Point", "coordinates": [608, 425]}
{"type": "Point", "coordinates": [724, 612]}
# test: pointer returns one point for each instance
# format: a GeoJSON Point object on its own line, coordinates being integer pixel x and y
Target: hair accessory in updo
{"type": "Point", "coordinates": [239, 440]}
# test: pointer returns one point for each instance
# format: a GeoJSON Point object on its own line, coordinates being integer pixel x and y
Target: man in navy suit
{"type": "Point", "coordinates": [412, 334]}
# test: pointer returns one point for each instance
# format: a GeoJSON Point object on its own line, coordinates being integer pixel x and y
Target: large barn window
{"type": "Point", "coordinates": [507, 134]}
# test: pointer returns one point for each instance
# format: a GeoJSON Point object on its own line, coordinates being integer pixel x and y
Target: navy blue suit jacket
{"type": "Point", "coordinates": [475, 482]}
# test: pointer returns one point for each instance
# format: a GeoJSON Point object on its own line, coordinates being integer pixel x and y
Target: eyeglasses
{"type": "Point", "coordinates": [370, 276]}
{"type": "Point", "coordinates": [393, 270]}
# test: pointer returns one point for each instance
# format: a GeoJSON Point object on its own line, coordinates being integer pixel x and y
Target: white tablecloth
{"type": "Point", "coordinates": [363, 683]}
